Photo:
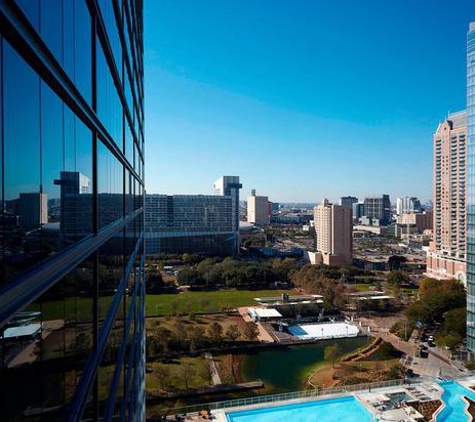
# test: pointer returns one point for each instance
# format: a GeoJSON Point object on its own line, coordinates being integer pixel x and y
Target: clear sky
{"type": "Point", "coordinates": [303, 99]}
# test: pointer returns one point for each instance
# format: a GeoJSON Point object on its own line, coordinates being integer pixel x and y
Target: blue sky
{"type": "Point", "coordinates": [303, 99]}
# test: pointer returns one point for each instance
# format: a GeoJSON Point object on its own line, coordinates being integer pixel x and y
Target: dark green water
{"type": "Point", "coordinates": [287, 368]}
{"type": "Point", "coordinates": [282, 369]}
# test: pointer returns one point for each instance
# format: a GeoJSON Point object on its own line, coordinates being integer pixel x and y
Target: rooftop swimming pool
{"type": "Point", "coordinates": [346, 409]}
{"type": "Point", "coordinates": [454, 409]}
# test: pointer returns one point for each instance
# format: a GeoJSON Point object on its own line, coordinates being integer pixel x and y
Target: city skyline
{"type": "Point", "coordinates": [256, 100]}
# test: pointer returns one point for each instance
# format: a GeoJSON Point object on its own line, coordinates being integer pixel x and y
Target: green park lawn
{"type": "Point", "coordinates": [219, 300]}
{"type": "Point", "coordinates": [80, 309]}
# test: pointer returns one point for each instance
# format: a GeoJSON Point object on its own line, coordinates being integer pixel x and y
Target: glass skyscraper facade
{"type": "Point", "coordinates": [72, 188]}
{"type": "Point", "coordinates": [471, 189]}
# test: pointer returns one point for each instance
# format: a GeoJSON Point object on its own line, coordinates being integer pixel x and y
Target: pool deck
{"type": "Point", "coordinates": [375, 401]}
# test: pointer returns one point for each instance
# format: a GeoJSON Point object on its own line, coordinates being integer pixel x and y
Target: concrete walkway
{"type": "Point", "coordinates": [214, 370]}
{"type": "Point", "coordinates": [432, 366]}
{"type": "Point", "coordinates": [263, 335]}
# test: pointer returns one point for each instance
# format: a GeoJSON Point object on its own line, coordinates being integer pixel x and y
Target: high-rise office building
{"type": "Point", "coordinates": [471, 188]}
{"type": "Point", "coordinates": [334, 233]}
{"type": "Point", "coordinates": [446, 258]}
{"type": "Point", "coordinates": [33, 209]}
{"type": "Point", "coordinates": [348, 201]}
{"type": "Point", "coordinates": [71, 268]}
{"type": "Point", "coordinates": [230, 186]}
{"type": "Point", "coordinates": [417, 221]}
{"type": "Point", "coordinates": [258, 209]}
{"type": "Point", "coordinates": [203, 224]}
{"type": "Point", "coordinates": [378, 208]}
{"type": "Point", "coordinates": [358, 210]}
{"type": "Point", "coordinates": [407, 204]}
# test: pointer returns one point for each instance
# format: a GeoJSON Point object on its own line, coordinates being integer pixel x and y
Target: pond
{"type": "Point", "coordinates": [282, 369]}
{"type": "Point", "coordinates": [286, 369]}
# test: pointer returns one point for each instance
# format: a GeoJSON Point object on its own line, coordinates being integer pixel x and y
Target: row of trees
{"type": "Point", "coordinates": [436, 297]}
{"type": "Point", "coordinates": [454, 329]}
{"type": "Point", "coordinates": [211, 272]}
{"type": "Point", "coordinates": [442, 302]}
{"type": "Point", "coordinates": [184, 338]}
{"type": "Point", "coordinates": [323, 281]}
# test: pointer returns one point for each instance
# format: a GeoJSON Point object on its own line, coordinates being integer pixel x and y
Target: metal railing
{"type": "Point", "coordinates": [256, 400]}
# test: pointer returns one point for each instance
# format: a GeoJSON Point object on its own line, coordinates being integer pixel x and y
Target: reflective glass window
{"type": "Point", "coordinates": [111, 271]}
{"type": "Point", "coordinates": [25, 205]}
{"type": "Point", "coordinates": [51, 26]}
{"type": "Point", "coordinates": [77, 46]}
{"type": "Point", "coordinates": [31, 9]}
{"type": "Point", "coordinates": [110, 186]}
{"type": "Point", "coordinates": [44, 349]}
{"type": "Point", "coordinates": [109, 107]}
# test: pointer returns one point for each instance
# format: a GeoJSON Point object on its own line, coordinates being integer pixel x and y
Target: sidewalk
{"type": "Point", "coordinates": [263, 335]}
{"type": "Point", "coordinates": [214, 370]}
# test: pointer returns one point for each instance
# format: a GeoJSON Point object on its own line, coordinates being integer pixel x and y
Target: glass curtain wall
{"type": "Point", "coordinates": [71, 221]}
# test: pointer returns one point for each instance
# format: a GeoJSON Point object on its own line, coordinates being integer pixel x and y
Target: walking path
{"type": "Point", "coordinates": [433, 366]}
{"type": "Point", "coordinates": [214, 370]}
{"type": "Point", "coordinates": [263, 335]}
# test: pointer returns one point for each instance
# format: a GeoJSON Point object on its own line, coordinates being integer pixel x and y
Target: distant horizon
{"type": "Point", "coordinates": [243, 197]}
{"type": "Point", "coordinates": [275, 93]}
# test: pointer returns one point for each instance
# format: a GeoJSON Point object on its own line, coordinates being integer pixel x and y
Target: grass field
{"type": "Point", "coordinates": [198, 374]}
{"type": "Point", "coordinates": [80, 309]}
{"type": "Point", "coordinates": [205, 301]}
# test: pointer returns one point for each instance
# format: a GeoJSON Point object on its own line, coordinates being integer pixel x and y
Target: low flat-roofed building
{"type": "Point", "coordinates": [287, 299]}
{"type": "Point", "coordinates": [263, 314]}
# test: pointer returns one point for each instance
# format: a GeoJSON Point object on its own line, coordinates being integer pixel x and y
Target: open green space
{"type": "Point", "coordinates": [168, 304]}
{"type": "Point", "coordinates": [179, 374]}
{"type": "Point", "coordinates": [80, 309]}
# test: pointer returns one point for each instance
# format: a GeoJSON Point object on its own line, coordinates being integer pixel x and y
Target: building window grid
{"type": "Point", "coordinates": [114, 152]}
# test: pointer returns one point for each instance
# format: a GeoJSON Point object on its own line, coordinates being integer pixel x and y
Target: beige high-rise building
{"type": "Point", "coordinates": [258, 209]}
{"type": "Point", "coordinates": [446, 258]}
{"type": "Point", "coordinates": [334, 231]}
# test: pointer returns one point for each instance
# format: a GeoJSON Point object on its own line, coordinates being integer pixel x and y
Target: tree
{"type": "Point", "coordinates": [455, 322]}
{"type": "Point", "coordinates": [396, 277]}
{"type": "Point", "coordinates": [436, 297]}
{"type": "Point", "coordinates": [394, 373]}
{"type": "Point", "coordinates": [163, 337]}
{"type": "Point", "coordinates": [215, 331]}
{"type": "Point", "coordinates": [332, 354]}
{"type": "Point", "coordinates": [449, 340]}
{"type": "Point", "coordinates": [206, 371]}
{"type": "Point", "coordinates": [195, 335]}
{"type": "Point", "coordinates": [232, 333]}
{"type": "Point", "coordinates": [395, 262]}
{"type": "Point", "coordinates": [251, 330]}
{"type": "Point", "coordinates": [187, 372]}
{"type": "Point", "coordinates": [161, 374]}
{"type": "Point", "coordinates": [187, 258]}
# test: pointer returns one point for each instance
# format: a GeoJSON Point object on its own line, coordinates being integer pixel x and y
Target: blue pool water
{"type": "Point", "coordinates": [454, 405]}
{"type": "Point", "coordinates": [346, 409]}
